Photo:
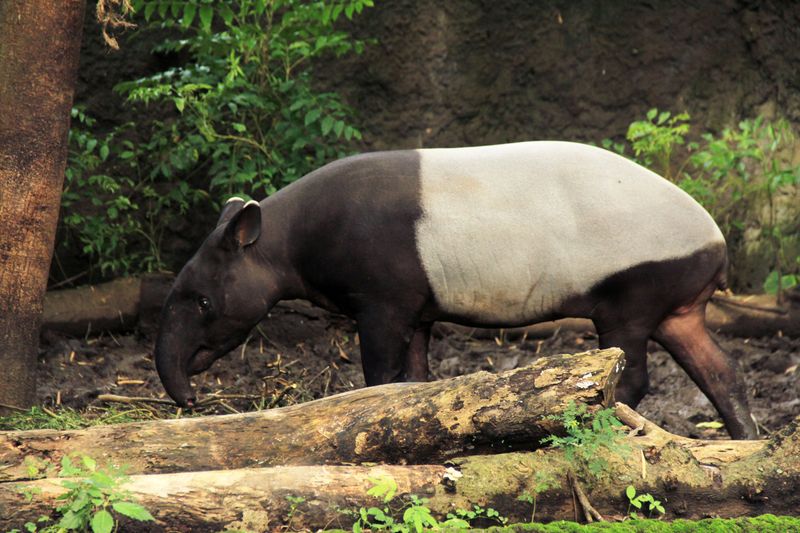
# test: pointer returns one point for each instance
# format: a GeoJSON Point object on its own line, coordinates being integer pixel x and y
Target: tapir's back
{"type": "Point", "coordinates": [509, 232]}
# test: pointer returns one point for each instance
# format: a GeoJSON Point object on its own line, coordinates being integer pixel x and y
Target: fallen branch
{"type": "Point", "coordinates": [763, 480]}
{"type": "Point", "coordinates": [400, 423]}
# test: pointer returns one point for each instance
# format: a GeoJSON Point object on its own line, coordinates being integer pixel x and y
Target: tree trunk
{"type": "Point", "coordinates": [748, 478]}
{"type": "Point", "coordinates": [395, 423]}
{"type": "Point", "coordinates": [39, 52]}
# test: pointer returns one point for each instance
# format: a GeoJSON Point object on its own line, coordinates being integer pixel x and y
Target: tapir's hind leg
{"type": "Point", "coordinates": [684, 335]}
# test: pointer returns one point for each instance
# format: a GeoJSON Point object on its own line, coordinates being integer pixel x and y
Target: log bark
{"type": "Point", "coordinates": [395, 423]}
{"type": "Point", "coordinates": [39, 52]}
{"type": "Point", "coordinates": [124, 304]}
{"type": "Point", "coordinates": [119, 305]}
{"type": "Point", "coordinates": [750, 478]}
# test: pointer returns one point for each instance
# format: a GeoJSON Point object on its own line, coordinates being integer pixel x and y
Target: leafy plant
{"type": "Point", "coordinates": [586, 434]}
{"type": "Point", "coordinates": [247, 111]}
{"type": "Point", "coordinates": [638, 500]}
{"type": "Point", "coordinates": [96, 212]}
{"type": "Point", "coordinates": [67, 418]}
{"type": "Point", "coordinates": [239, 116]}
{"type": "Point", "coordinates": [93, 500]}
{"type": "Point", "coordinates": [654, 139]}
{"type": "Point", "coordinates": [739, 176]}
{"type": "Point", "coordinates": [542, 481]}
{"type": "Point", "coordinates": [416, 515]}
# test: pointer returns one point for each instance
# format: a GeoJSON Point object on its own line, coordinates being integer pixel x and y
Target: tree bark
{"type": "Point", "coordinates": [39, 53]}
{"type": "Point", "coordinates": [395, 423]}
{"type": "Point", "coordinates": [749, 478]}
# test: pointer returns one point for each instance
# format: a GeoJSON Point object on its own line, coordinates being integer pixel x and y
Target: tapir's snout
{"type": "Point", "coordinates": [172, 361]}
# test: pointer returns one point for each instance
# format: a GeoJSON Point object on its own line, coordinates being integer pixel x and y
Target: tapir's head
{"type": "Point", "coordinates": [218, 297]}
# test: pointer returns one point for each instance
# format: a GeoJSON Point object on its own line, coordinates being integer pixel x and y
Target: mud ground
{"type": "Point", "coordinates": [301, 353]}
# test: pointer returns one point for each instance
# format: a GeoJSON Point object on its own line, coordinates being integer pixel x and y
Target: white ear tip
{"type": "Point", "coordinates": [251, 202]}
{"type": "Point", "coordinates": [234, 199]}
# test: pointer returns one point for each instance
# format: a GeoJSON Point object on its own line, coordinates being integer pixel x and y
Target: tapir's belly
{"type": "Point", "coordinates": [509, 233]}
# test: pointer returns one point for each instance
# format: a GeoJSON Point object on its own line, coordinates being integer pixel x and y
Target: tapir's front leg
{"type": "Point", "coordinates": [385, 335]}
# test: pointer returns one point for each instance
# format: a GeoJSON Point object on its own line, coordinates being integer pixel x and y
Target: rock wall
{"type": "Point", "coordinates": [467, 72]}
{"type": "Point", "coordinates": [470, 72]}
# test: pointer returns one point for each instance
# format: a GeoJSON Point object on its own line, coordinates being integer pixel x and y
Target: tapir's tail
{"type": "Point", "coordinates": [722, 275]}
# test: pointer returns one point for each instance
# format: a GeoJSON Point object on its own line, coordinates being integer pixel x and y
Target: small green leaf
{"type": "Point", "coordinates": [148, 10]}
{"type": "Point", "coordinates": [132, 510]}
{"type": "Point", "coordinates": [630, 492]}
{"type": "Point", "coordinates": [238, 126]}
{"type": "Point", "coordinates": [651, 114]}
{"type": "Point", "coordinates": [312, 116]}
{"type": "Point", "coordinates": [206, 16]}
{"type": "Point", "coordinates": [70, 520]}
{"type": "Point", "coordinates": [226, 13]}
{"type": "Point", "coordinates": [189, 11]}
{"type": "Point", "coordinates": [327, 125]}
{"type": "Point", "coordinates": [710, 425]}
{"type": "Point", "coordinates": [102, 522]}
{"type": "Point", "coordinates": [180, 103]}
{"type": "Point", "coordinates": [88, 462]}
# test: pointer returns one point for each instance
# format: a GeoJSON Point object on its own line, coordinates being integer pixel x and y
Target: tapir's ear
{"type": "Point", "coordinates": [231, 207]}
{"type": "Point", "coordinates": [244, 227]}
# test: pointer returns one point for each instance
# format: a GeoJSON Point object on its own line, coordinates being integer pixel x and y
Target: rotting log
{"type": "Point", "coordinates": [127, 303]}
{"type": "Point", "coordinates": [394, 423]}
{"type": "Point", "coordinates": [752, 478]}
{"type": "Point", "coordinates": [116, 305]}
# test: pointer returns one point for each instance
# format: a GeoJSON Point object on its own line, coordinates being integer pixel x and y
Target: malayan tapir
{"type": "Point", "coordinates": [493, 236]}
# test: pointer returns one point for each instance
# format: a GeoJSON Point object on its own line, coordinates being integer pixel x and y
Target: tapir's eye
{"type": "Point", "coordinates": [204, 303]}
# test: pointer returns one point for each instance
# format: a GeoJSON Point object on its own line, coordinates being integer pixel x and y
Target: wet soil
{"type": "Point", "coordinates": [301, 353]}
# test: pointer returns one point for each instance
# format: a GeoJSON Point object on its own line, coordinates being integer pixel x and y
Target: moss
{"type": "Point", "coordinates": [764, 523]}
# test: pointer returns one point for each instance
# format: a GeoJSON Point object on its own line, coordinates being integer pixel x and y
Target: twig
{"type": "Point", "coordinates": [13, 407]}
{"type": "Point", "coordinates": [589, 512]}
{"type": "Point", "coordinates": [132, 399]}
{"type": "Point", "coordinates": [67, 281]}
{"type": "Point", "coordinates": [724, 300]}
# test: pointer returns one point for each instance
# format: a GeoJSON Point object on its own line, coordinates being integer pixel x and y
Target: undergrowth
{"type": "Point", "coordinates": [64, 418]}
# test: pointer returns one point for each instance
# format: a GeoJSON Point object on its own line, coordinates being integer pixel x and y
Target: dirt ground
{"type": "Point", "coordinates": [300, 353]}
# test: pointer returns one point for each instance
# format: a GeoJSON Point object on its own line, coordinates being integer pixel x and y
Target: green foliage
{"type": "Point", "coordinates": [738, 176]}
{"type": "Point", "coordinates": [638, 500]}
{"type": "Point", "coordinates": [586, 434]}
{"type": "Point", "coordinates": [542, 481]}
{"type": "Point", "coordinates": [416, 515]}
{"type": "Point", "coordinates": [759, 524]}
{"type": "Point", "coordinates": [245, 102]}
{"type": "Point", "coordinates": [654, 139]}
{"type": "Point", "coordinates": [240, 116]}
{"type": "Point", "coordinates": [67, 418]}
{"type": "Point", "coordinates": [93, 501]}
{"type": "Point", "coordinates": [105, 226]}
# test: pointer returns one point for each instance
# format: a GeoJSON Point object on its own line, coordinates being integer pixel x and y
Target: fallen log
{"type": "Point", "coordinates": [117, 305]}
{"type": "Point", "coordinates": [127, 303]}
{"type": "Point", "coordinates": [752, 479]}
{"type": "Point", "coordinates": [395, 423]}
